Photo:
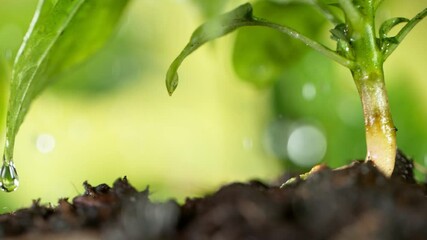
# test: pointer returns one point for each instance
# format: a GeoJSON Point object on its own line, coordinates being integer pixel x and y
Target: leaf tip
{"type": "Point", "coordinates": [171, 81]}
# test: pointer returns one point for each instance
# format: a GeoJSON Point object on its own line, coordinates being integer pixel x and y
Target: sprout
{"type": "Point", "coordinates": [358, 48]}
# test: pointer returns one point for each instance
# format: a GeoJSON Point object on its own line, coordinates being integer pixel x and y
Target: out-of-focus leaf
{"type": "Point", "coordinates": [260, 55]}
{"type": "Point", "coordinates": [210, 8]}
{"type": "Point", "coordinates": [61, 35]}
{"type": "Point", "coordinates": [108, 70]}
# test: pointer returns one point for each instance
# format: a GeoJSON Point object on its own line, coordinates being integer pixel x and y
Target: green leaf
{"type": "Point", "coordinates": [385, 40]}
{"type": "Point", "coordinates": [61, 35]}
{"type": "Point", "coordinates": [215, 28]}
{"type": "Point", "coordinates": [390, 24]}
{"type": "Point", "coordinates": [340, 35]}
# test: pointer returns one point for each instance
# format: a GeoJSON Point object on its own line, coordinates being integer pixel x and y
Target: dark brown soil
{"type": "Point", "coordinates": [356, 202]}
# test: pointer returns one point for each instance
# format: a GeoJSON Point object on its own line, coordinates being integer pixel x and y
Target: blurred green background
{"type": "Point", "coordinates": [249, 105]}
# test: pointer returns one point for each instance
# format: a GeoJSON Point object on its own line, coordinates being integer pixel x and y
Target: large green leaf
{"type": "Point", "coordinates": [62, 34]}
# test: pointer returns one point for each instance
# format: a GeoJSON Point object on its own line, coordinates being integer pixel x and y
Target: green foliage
{"type": "Point", "coordinates": [109, 70]}
{"type": "Point", "coordinates": [358, 48]}
{"type": "Point", "coordinates": [62, 34]}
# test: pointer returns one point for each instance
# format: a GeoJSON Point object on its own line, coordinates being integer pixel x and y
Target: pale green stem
{"type": "Point", "coordinates": [369, 78]}
{"type": "Point", "coordinates": [379, 127]}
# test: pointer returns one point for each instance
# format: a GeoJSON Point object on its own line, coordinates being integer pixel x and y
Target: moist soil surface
{"type": "Point", "coordinates": [354, 202]}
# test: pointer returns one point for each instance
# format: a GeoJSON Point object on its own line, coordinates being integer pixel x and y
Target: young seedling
{"type": "Point", "coordinates": [360, 47]}
{"type": "Point", "coordinates": [61, 35]}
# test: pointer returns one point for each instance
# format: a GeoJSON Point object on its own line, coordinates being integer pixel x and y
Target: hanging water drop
{"type": "Point", "coordinates": [9, 177]}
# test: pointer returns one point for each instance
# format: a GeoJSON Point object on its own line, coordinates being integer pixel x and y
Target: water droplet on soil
{"type": "Point", "coordinates": [9, 177]}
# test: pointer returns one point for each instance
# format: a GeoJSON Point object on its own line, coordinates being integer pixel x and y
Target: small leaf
{"type": "Point", "coordinates": [62, 34]}
{"type": "Point", "coordinates": [340, 32]}
{"type": "Point", "coordinates": [391, 44]}
{"type": "Point", "coordinates": [340, 35]}
{"type": "Point", "coordinates": [215, 28]}
{"type": "Point", "coordinates": [390, 24]}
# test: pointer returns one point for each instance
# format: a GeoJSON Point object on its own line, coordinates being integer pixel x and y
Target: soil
{"type": "Point", "coordinates": [355, 202]}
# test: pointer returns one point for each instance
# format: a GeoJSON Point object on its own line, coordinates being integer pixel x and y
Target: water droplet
{"type": "Point", "coordinates": [9, 177]}
{"type": "Point", "coordinates": [306, 145]}
{"type": "Point", "coordinates": [309, 91]}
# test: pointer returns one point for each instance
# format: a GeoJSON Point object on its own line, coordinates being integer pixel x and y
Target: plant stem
{"type": "Point", "coordinates": [379, 127]}
{"type": "Point", "coordinates": [307, 41]}
{"type": "Point", "coordinates": [369, 78]}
